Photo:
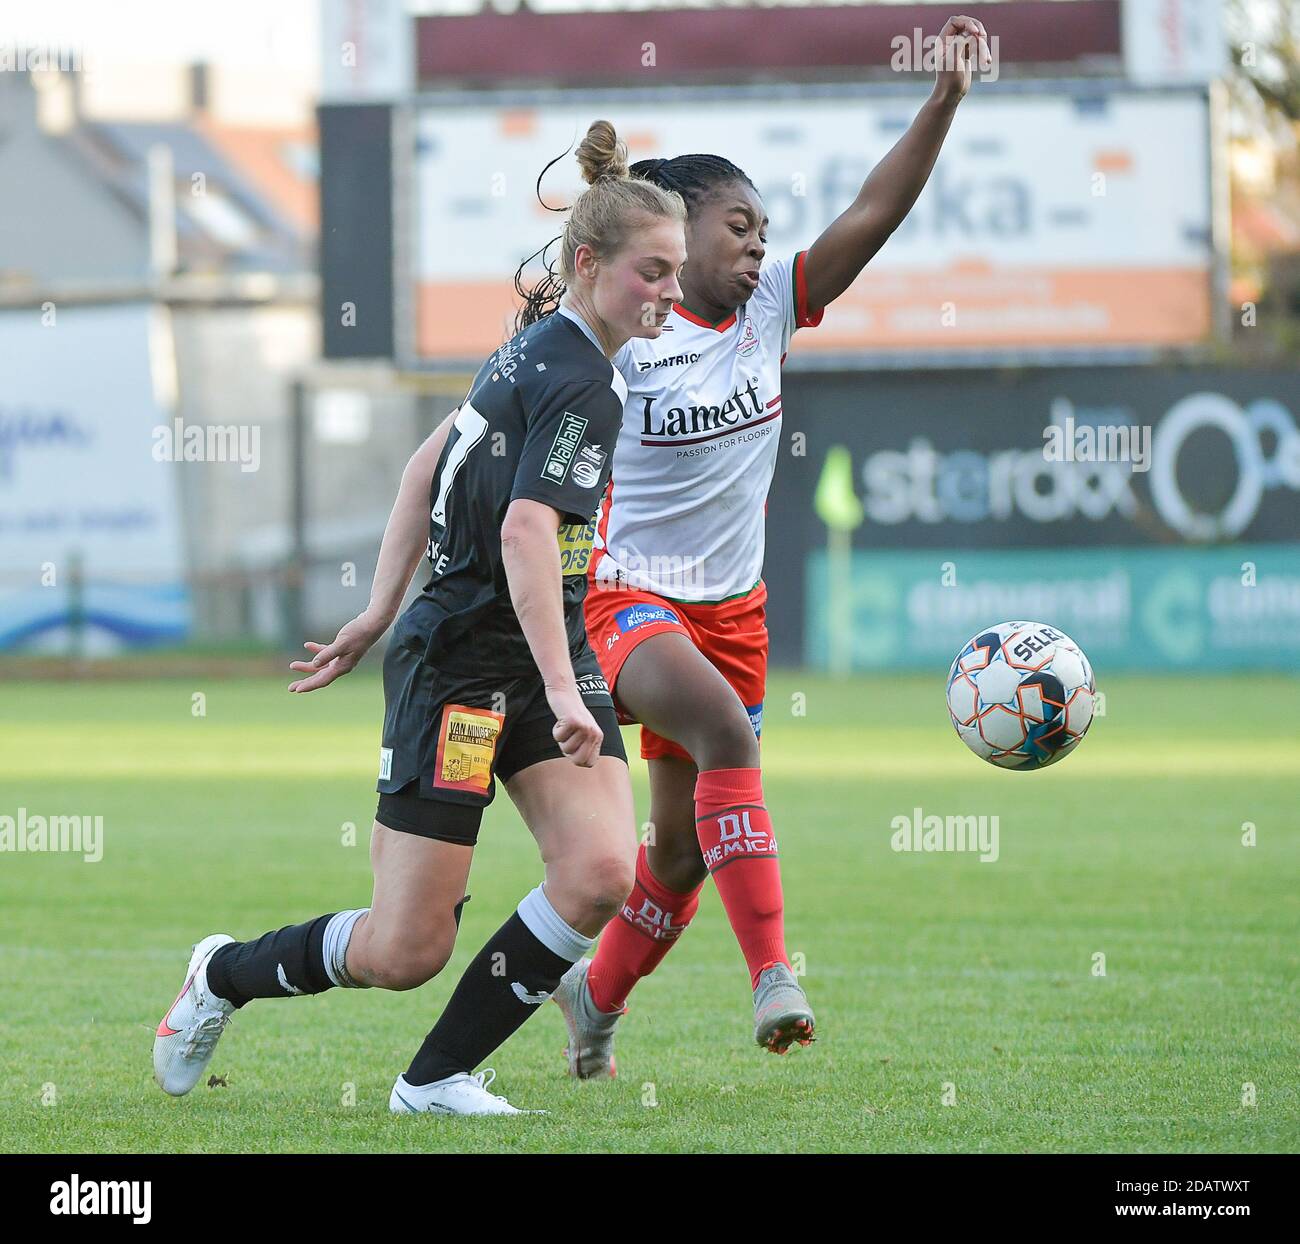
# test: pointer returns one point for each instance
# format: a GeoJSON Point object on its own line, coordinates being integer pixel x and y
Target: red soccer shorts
{"type": "Point", "coordinates": [732, 634]}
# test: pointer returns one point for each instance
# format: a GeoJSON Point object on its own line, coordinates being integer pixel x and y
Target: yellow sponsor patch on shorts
{"type": "Point", "coordinates": [467, 744]}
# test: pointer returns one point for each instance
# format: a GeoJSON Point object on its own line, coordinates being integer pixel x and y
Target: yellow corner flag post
{"type": "Point", "coordinates": [837, 505]}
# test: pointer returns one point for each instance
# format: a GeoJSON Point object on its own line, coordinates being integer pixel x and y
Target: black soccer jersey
{"type": "Point", "coordinates": [540, 422]}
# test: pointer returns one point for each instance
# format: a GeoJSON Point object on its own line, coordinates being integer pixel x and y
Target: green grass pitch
{"type": "Point", "coordinates": [959, 1005]}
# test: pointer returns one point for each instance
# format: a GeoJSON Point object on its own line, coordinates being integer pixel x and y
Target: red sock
{"type": "Point", "coordinates": [635, 941]}
{"type": "Point", "coordinates": [739, 848]}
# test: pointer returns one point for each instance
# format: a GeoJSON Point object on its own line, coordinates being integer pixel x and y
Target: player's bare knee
{"type": "Point", "coordinates": [403, 965]}
{"type": "Point", "coordinates": [726, 742]}
{"type": "Point", "coordinates": [410, 971]}
{"type": "Point", "coordinates": [613, 879]}
{"type": "Point", "coordinates": [603, 882]}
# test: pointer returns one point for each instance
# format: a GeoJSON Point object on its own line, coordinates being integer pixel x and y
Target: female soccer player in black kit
{"type": "Point", "coordinates": [488, 674]}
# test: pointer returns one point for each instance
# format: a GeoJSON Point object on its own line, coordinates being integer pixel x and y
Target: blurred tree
{"type": "Point", "coordinates": [1264, 88]}
{"type": "Point", "coordinates": [1265, 46]}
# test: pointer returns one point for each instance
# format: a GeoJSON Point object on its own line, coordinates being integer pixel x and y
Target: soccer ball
{"type": "Point", "coordinates": [1021, 695]}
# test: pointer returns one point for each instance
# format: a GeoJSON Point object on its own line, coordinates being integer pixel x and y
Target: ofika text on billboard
{"type": "Point", "coordinates": [1051, 219]}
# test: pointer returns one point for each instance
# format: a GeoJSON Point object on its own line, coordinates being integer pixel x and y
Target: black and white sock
{"type": "Point", "coordinates": [298, 959]}
{"type": "Point", "coordinates": [507, 982]}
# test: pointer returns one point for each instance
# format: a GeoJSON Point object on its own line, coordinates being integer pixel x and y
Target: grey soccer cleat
{"type": "Point", "coordinates": [591, 1031]}
{"type": "Point", "coordinates": [782, 1015]}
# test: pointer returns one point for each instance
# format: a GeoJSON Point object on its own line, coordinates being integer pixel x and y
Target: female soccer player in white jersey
{"type": "Point", "coordinates": [489, 674]}
{"type": "Point", "coordinates": [676, 610]}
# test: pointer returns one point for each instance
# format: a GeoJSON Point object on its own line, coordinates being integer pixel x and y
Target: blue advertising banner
{"type": "Point", "coordinates": [1230, 607]}
{"type": "Point", "coordinates": [91, 550]}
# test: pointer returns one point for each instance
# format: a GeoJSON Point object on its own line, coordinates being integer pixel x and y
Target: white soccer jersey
{"type": "Point", "coordinates": [683, 514]}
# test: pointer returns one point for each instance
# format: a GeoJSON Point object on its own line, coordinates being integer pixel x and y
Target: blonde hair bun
{"type": "Point", "coordinates": [602, 153]}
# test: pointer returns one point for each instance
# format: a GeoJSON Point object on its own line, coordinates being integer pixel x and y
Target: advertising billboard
{"type": "Point", "coordinates": [941, 480]}
{"type": "Point", "coordinates": [1152, 609]}
{"type": "Point", "coordinates": [1064, 218]}
{"type": "Point", "coordinates": [90, 533]}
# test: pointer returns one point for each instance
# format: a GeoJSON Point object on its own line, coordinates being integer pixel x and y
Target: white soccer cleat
{"type": "Point", "coordinates": [188, 1033]}
{"type": "Point", "coordinates": [462, 1093]}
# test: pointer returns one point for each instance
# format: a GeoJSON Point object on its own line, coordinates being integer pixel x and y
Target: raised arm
{"type": "Point", "coordinates": [405, 539]}
{"type": "Point", "coordinates": [893, 186]}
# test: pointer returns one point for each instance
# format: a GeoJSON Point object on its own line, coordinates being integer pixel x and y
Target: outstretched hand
{"type": "Point", "coordinates": [331, 661]}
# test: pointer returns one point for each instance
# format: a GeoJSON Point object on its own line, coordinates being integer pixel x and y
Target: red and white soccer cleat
{"type": "Point", "coordinates": [188, 1033]}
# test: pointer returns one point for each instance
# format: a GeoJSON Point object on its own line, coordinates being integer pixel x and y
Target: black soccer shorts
{"type": "Point", "coordinates": [448, 737]}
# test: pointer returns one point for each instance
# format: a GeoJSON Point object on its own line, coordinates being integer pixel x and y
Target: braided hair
{"type": "Point", "coordinates": [696, 178]}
